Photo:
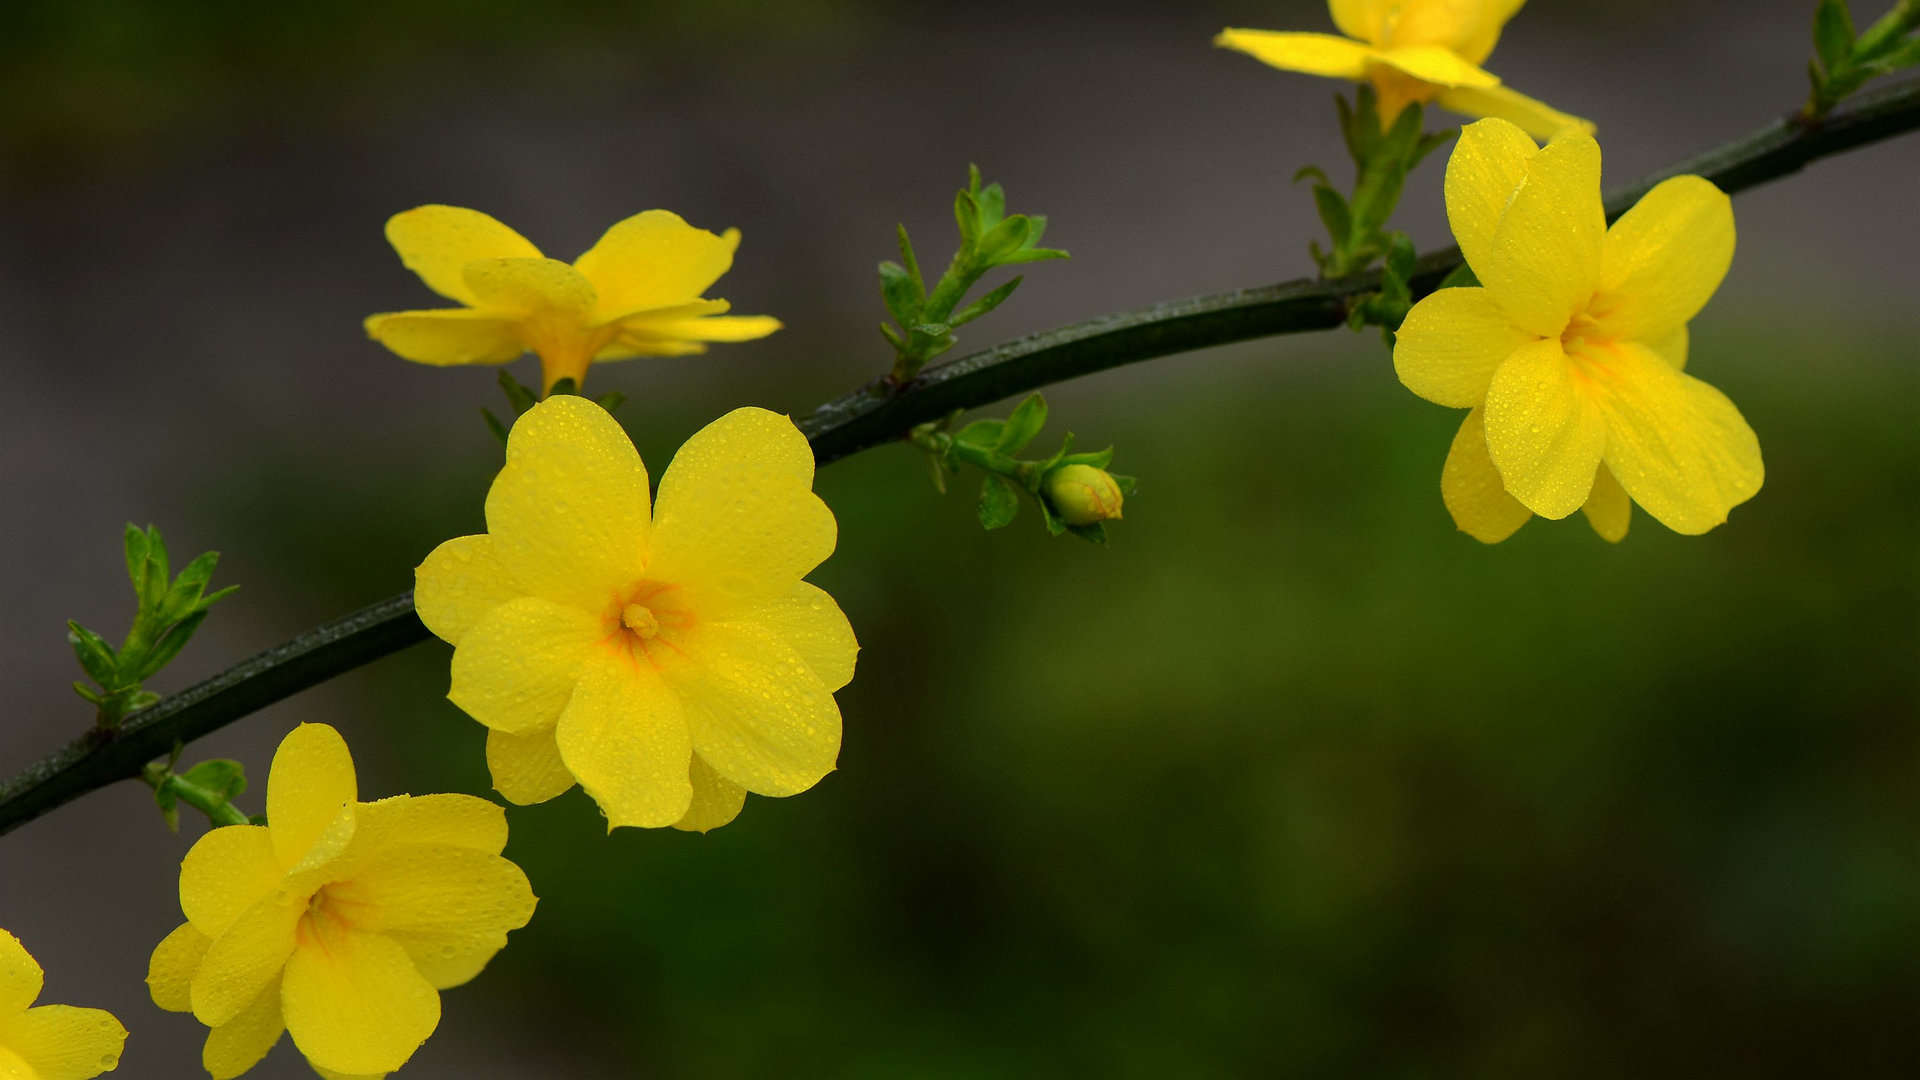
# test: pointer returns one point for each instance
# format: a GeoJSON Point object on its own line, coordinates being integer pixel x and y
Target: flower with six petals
{"type": "Point", "coordinates": [668, 659]}
{"type": "Point", "coordinates": [637, 292]}
{"type": "Point", "coordinates": [1571, 353]}
{"type": "Point", "coordinates": [49, 1042]}
{"type": "Point", "coordinates": [1411, 51]}
{"type": "Point", "coordinates": [339, 921]}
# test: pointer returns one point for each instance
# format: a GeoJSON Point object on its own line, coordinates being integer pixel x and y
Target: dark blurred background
{"type": "Point", "coordinates": [1291, 779]}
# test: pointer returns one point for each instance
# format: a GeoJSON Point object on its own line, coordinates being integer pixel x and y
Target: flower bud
{"type": "Point", "coordinates": [1082, 494]}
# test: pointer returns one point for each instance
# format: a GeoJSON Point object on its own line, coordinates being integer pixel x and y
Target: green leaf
{"type": "Point", "coordinates": [611, 400]}
{"type": "Point", "coordinates": [89, 693]}
{"type": "Point", "coordinates": [999, 502]}
{"type": "Point", "coordinates": [184, 597]}
{"type": "Point", "coordinates": [893, 338]}
{"type": "Point", "coordinates": [95, 655]}
{"type": "Point", "coordinates": [1429, 143]}
{"type": "Point", "coordinates": [1002, 240]}
{"type": "Point", "coordinates": [169, 804]}
{"type": "Point", "coordinates": [1027, 255]}
{"type": "Point", "coordinates": [967, 215]}
{"type": "Point", "coordinates": [1126, 484]}
{"type": "Point", "coordinates": [1313, 172]}
{"type": "Point", "coordinates": [1099, 459]}
{"type": "Point", "coordinates": [986, 303]}
{"type": "Point", "coordinates": [520, 397]}
{"type": "Point", "coordinates": [1460, 277]}
{"type": "Point", "coordinates": [171, 642]}
{"type": "Point", "coordinates": [1036, 228]}
{"type": "Point", "coordinates": [494, 425]}
{"type": "Point", "coordinates": [1906, 55]}
{"type": "Point", "coordinates": [1833, 34]}
{"type": "Point", "coordinates": [1401, 259]}
{"type": "Point", "coordinates": [901, 293]}
{"type": "Point", "coordinates": [1333, 214]}
{"type": "Point", "coordinates": [985, 434]}
{"type": "Point", "coordinates": [564, 387]}
{"type": "Point", "coordinates": [136, 549]}
{"type": "Point", "coordinates": [1027, 420]}
{"type": "Point", "coordinates": [992, 201]}
{"type": "Point", "coordinates": [911, 264]}
{"type": "Point", "coordinates": [1052, 521]}
{"type": "Point", "coordinates": [1095, 533]}
{"type": "Point", "coordinates": [221, 776]}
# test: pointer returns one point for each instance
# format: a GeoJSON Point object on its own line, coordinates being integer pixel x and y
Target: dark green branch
{"type": "Point", "coordinates": [880, 414]}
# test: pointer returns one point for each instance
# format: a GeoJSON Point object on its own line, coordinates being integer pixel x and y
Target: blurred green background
{"type": "Point", "coordinates": [1290, 779]}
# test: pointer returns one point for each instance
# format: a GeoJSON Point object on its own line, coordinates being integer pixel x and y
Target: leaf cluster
{"type": "Point", "coordinates": [209, 787]}
{"type": "Point", "coordinates": [1356, 224]}
{"type": "Point", "coordinates": [991, 446]}
{"type": "Point", "coordinates": [170, 610]}
{"type": "Point", "coordinates": [989, 238]}
{"type": "Point", "coordinates": [1843, 61]}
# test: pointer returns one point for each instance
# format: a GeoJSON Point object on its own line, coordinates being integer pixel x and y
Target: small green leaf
{"type": "Point", "coordinates": [911, 264]}
{"type": "Point", "coordinates": [999, 502]}
{"type": "Point", "coordinates": [221, 776]}
{"type": "Point", "coordinates": [494, 425]}
{"type": "Point", "coordinates": [1313, 172]}
{"type": "Point", "coordinates": [985, 434]}
{"type": "Point", "coordinates": [967, 215]}
{"type": "Point", "coordinates": [184, 596]}
{"type": "Point", "coordinates": [1833, 34]}
{"type": "Point", "coordinates": [1429, 143]}
{"type": "Point", "coordinates": [1901, 57]}
{"type": "Point", "coordinates": [901, 293]}
{"type": "Point", "coordinates": [1126, 484]}
{"type": "Point", "coordinates": [168, 647]}
{"type": "Point", "coordinates": [1027, 420]}
{"type": "Point", "coordinates": [89, 693]}
{"type": "Point", "coordinates": [1036, 228]}
{"type": "Point", "coordinates": [1051, 520]}
{"type": "Point", "coordinates": [992, 201]}
{"type": "Point", "coordinates": [520, 397]}
{"type": "Point", "coordinates": [136, 549]}
{"type": "Point", "coordinates": [986, 303]}
{"type": "Point", "coordinates": [1002, 240]}
{"type": "Point", "coordinates": [152, 587]}
{"type": "Point", "coordinates": [893, 338]}
{"type": "Point", "coordinates": [1095, 533]}
{"type": "Point", "coordinates": [1333, 214]}
{"type": "Point", "coordinates": [1099, 459]}
{"type": "Point", "coordinates": [564, 387]}
{"type": "Point", "coordinates": [169, 804]}
{"type": "Point", "coordinates": [611, 400]}
{"type": "Point", "coordinates": [95, 655]}
{"type": "Point", "coordinates": [1027, 255]}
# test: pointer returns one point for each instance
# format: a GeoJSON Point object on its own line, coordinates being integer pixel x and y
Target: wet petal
{"type": "Point", "coordinates": [531, 288]}
{"type": "Point", "coordinates": [1544, 261]}
{"type": "Point", "coordinates": [1676, 444]}
{"type": "Point", "coordinates": [437, 242]}
{"type": "Point", "coordinates": [808, 621]}
{"type": "Point", "coordinates": [63, 1042]}
{"type": "Point", "coordinates": [515, 670]}
{"type": "Point", "coordinates": [624, 738]}
{"type": "Point", "coordinates": [1311, 54]}
{"type": "Point", "coordinates": [458, 820]}
{"type": "Point", "coordinates": [1487, 166]}
{"type": "Point", "coordinates": [1608, 509]}
{"type": "Point", "coordinates": [227, 871]}
{"type": "Point", "coordinates": [1450, 343]}
{"type": "Point", "coordinates": [641, 331]}
{"type": "Point", "coordinates": [758, 714]}
{"type": "Point", "coordinates": [1544, 433]}
{"type": "Point", "coordinates": [20, 975]}
{"type": "Point", "coordinates": [459, 582]}
{"type": "Point", "coordinates": [1664, 259]}
{"type": "Point", "coordinates": [241, 962]}
{"type": "Point", "coordinates": [1436, 65]}
{"type": "Point", "coordinates": [1672, 348]}
{"type": "Point", "coordinates": [449, 907]}
{"type": "Point", "coordinates": [171, 968]}
{"type": "Point", "coordinates": [240, 1043]}
{"type": "Point", "coordinates": [527, 769]}
{"type": "Point", "coordinates": [1536, 118]}
{"type": "Point", "coordinates": [448, 337]}
{"type": "Point", "coordinates": [654, 259]}
{"type": "Point", "coordinates": [355, 1003]}
{"type": "Point", "coordinates": [1471, 487]}
{"type": "Point", "coordinates": [716, 800]}
{"type": "Point", "coordinates": [311, 779]}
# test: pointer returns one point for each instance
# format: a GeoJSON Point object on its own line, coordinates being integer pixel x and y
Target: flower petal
{"type": "Point", "coordinates": [1469, 29]}
{"type": "Point", "coordinates": [516, 668]}
{"type": "Point", "coordinates": [568, 514]}
{"type": "Point", "coordinates": [1471, 487]}
{"type": "Point", "coordinates": [226, 872]}
{"type": "Point", "coordinates": [1487, 166]}
{"type": "Point", "coordinates": [1608, 509]}
{"type": "Point", "coordinates": [1312, 54]}
{"type": "Point", "coordinates": [240, 1043]}
{"type": "Point", "coordinates": [527, 769]}
{"type": "Point", "coordinates": [737, 519]}
{"type": "Point", "coordinates": [171, 967]}
{"type": "Point", "coordinates": [449, 907]}
{"type": "Point", "coordinates": [20, 975]}
{"type": "Point", "coordinates": [1676, 444]}
{"type": "Point", "coordinates": [640, 331]}
{"type": "Point", "coordinates": [758, 714]}
{"type": "Point", "coordinates": [437, 242]}
{"type": "Point", "coordinates": [624, 737]}
{"type": "Point", "coordinates": [64, 1042]}
{"type": "Point", "coordinates": [1672, 348]}
{"type": "Point", "coordinates": [1544, 261]}
{"type": "Point", "coordinates": [520, 288]}
{"type": "Point", "coordinates": [241, 962]}
{"type": "Point", "coordinates": [311, 779]}
{"type": "Point", "coordinates": [1435, 64]}
{"type": "Point", "coordinates": [1544, 433]}
{"type": "Point", "coordinates": [1664, 259]}
{"type": "Point", "coordinates": [654, 259]}
{"type": "Point", "coordinates": [1450, 343]}
{"type": "Point", "coordinates": [355, 1003]}
{"type": "Point", "coordinates": [1536, 118]}
{"type": "Point", "coordinates": [449, 336]}
{"type": "Point", "coordinates": [457, 583]}
{"type": "Point", "coordinates": [716, 800]}
{"type": "Point", "coordinates": [461, 821]}
{"type": "Point", "coordinates": [811, 624]}
{"type": "Point", "coordinates": [1358, 18]}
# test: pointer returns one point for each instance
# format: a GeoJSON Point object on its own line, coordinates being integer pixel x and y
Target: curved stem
{"type": "Point", "coordinates": [881, 414]}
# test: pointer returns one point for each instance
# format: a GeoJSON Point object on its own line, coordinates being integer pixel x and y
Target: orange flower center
{"type": "Point", "coordinates": [651, 618]}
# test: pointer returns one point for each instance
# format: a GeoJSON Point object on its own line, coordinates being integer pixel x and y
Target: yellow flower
{"type": "Point", "coordinates": [1571, 353]}
{"type": "Point", "coordinates": [1083, 495]}
{"type": "Point", "coordinates": [1411, 50]}
{"type": "Point", "coordinates": [339, 921]}
{"type": "Point", "coordinates": [669, 661]}
{"type": "Point", "coordinates": [635, 293]}
{"type": "Point", "coordinates": [49, 1042]}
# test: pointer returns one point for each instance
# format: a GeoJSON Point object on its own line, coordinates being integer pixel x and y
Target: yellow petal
{"type": "Point", "coordinates": [20, 975]}
{"type": "Point", "coordinates": [459, 582]}
{"type": "Point", "coordinates": [63, 1042]}
{"type": "Point", "coordinates": [1677, 445]}
{"type": "Point", "coordinates": [449, 907]}
{"type": "Point", "coordinates": [1663, 260]}
{"type": "Point", "coordinates": [329, 1074]}
{"type": "Point", "coordinates": [1544, 261]}
{"type": "Point", "coordinates": [241, 962]}
{"type": "Point", "coordinates": [170, 969]}
{"type": "Point", "coordinates": [522, 288]}
{"type": "Point", "coordinates": [1471, 487]}
{"type": "Point", "coordinates": [516, 668]}
{"type": "Point", "coordinates": [1436, 65]}
{"type": "Point", "coordinates": [1536, 118]}
{"type": "Point", "coordinates": [527, 768]}
{"type": "Point", "coordinates": [716, 800]}
{"type": "Point", "coordinates": [1358, 18]}
{"type": "Point", "coordinates": [240, 1043]}
{"type": "Point", "coordinates": [811, 624]}
{"type": "Point", "coordinates": [1468, 27]}
{"type": "Point", "coordinates": [311, 780]}
{"type": "Point", "coordinates": [568, 514]}
{"type": "Point", "coordinates": [437, 242]}
{"type": "Point", "coordinates": [227, 871]}
{"type": "Point", "coordinates": [1544, 433]}
{"type": "Point", "coordinates": [1312, 54]}
{"type": "Point", "coordinates": [641, 331]}
{"type": "Point", "coordinates": [624, 738]}
{"type": "Point", "coordinates": [1487, 166]}
{"type": "Point", "coordinates": [1450, 343]}
{"type": "Point", "coordinates": [355, 1003]}
{"type": "Point", "coordinates": [737, 518]}
{"type": "Point", "coordinates": [654, 259]}
{"type": "Point", "coordinates": [1672, 348]}
{"type": "Point", "coordinates": [458, 820]}
{"type": "Point", "coordinates": [449, 336]}
{"type": "Point", "coordinates": [758, 714]}
{"type": "Point", "coordinates": [1608, 510]}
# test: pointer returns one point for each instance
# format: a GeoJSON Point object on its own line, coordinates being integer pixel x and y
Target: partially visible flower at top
{"type": "Point", "coordinates": [669, 661]}
{"type": "Point", "coordinates": [1083, 494]}
{"type": "Point", "coordinates": [338, 921]}
{"type": "Point", "coordinates": [49, 1042]}
{"type": "Point", "coordinates": [1411, 51]}
{"type": "Point", "coordinates": [1570, 353]}
{"type": "Point", "coordinates": [637, 292]}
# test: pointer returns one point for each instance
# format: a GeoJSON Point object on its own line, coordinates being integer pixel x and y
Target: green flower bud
{"type": "Point", "coordinates": [1082, 494]}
